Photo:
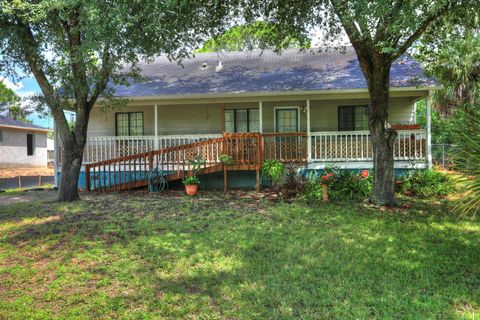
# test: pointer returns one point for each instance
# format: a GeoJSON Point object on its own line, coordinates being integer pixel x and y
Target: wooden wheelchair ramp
{"type": "Point", "coordinates": [175, 163]}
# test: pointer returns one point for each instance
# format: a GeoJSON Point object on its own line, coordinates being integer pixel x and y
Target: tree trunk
{"type": "Point", "coordinates": [383, 137]}
{"type": "Point", "coordinates": [71, 165]}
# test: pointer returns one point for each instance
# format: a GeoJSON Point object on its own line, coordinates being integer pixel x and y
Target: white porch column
{"type": "Point", "coordinates": [260, 116]}
{"type": "Point", "coordinates": [429, 130]}
{"type": "Point", "coordinates": [55, 155]}
{"type": "Point", "coordinates": [309, 136]}
{"type": "Point", "coordinates": [156, 128]}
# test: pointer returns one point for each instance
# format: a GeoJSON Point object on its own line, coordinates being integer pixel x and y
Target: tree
{"type": "Point", "coordinates": [380, 31]}
{"type": "Point", "coordinates": [76, 48]}
{"type": "Point", "coordinates": [256, 35]}
{"type": "Point", "coordinates": [7, 97]}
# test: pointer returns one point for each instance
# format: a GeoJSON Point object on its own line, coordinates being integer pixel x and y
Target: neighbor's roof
{"type": "Point", "coordinates": [254, 71]}
{"type": "Point", "coordinates": [6, 122]}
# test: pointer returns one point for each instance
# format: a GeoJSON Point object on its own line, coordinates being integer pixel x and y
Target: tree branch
{"type": "Point", "coordinates": [105, 73]}
{"type": "Point", "coordinates": [34, 60]}
{"type": "Point", "coordinates": [421, 29]}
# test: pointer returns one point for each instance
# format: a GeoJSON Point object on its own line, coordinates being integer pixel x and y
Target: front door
{"type": "Point", "coordinates": [286, 120]}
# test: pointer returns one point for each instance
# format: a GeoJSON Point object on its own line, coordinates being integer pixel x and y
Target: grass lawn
{"type": "Point", "coordinates": [145, 256]}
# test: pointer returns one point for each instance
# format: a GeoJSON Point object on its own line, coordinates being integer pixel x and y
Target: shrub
{"type": "Point", "coordinates": [350, 185]}
{"type": "Point", "coordinates": [294, 183]}
{"type": "Point", "coordinates": [427, 183]}
{"type": "Point", "coordinates": [342, 185]}
{"type": "Point", "coordinates": [273, 170]}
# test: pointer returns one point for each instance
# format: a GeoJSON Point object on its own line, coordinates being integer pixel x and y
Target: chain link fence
{"type": "Point", "coordinates": [442, 154]}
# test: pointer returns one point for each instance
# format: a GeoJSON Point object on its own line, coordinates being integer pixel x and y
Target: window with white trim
{"type": "Point", "coordinates": [286, 120]}
{"type": "Point", "coordinates": [129, 123]}
{"type": "Point", "coordinates": [242, 120]}
{"type": "Point", "coordinates": [352, 118]}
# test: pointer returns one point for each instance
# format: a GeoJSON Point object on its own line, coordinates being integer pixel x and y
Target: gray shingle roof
{"type": "Point", "coordinates": [5, 121]}
{"type": "Point", "coordinates": [251, 71]}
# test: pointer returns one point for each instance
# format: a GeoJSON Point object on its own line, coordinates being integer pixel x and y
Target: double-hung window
{"type": "Point", "coordinates": [242, 120]}
{"type": "Point", "coordinates": [129, 123]}
{"type": "Point", "coordinates": [352, 118]}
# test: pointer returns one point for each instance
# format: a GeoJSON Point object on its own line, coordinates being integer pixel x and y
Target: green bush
{"type": "Point", "coordinates": [427, 183]}
{"type": "Point", "coordinates": [273, 170]}
{"type": "Point", "coordinates": [345, 185]}
{"type": "Point", "coordinates": [349, 185]}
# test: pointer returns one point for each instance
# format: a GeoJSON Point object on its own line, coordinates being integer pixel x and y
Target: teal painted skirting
{"type": "Point", "coordinates": [236, 179]}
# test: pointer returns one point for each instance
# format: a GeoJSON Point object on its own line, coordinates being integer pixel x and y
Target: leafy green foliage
{"type": "Point", "coordinates": [455, 64]}
{"type": "Point", "coordinates": [7, 97]}
{"type": "Point", "coordinates": [273, 170]}
{"type": "Point", "coordinates": [256, 35]}
{"type": "Point", "coordinates": [347, 184]}
{"type": "Point", "coordinates": [190, 180]}
{"type": "Point", "coordinates": [226, 159]}
{"type": "Point", "coordinates": [78, 49]}
{"type": "Point", "coordinates": [467, 161]}
{"type": "Point", "coordinates": [428, 183]}
{"type": "Point", "coordinates": [343, 185]}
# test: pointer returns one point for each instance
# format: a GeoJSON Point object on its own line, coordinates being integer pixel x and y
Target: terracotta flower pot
{"type": "Point", "coordinates": [191, 189]}
{"type": "Point", "coordinates": [324, 193]}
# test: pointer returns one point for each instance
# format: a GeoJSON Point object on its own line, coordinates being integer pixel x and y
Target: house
{"type": "Point", "coordinates": [22, 144]}
{"type": "Point", "coordinates": [308, 107]}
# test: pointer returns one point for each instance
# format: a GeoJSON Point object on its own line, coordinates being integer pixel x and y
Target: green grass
{"type": "Point", "coordinates": [215, 257]}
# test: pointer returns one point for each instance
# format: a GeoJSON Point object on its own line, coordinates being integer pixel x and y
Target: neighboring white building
{"type": "Point", "coordinates": [22, 144]}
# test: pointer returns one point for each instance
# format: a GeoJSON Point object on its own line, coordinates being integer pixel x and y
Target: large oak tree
{"type": "Point", "coordinates": [380, 31]}
{"type": "Point", "coordinates": [76, 48]}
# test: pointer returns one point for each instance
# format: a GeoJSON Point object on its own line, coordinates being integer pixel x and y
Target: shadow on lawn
{"type": "Point", "coordinates": [245, 258]}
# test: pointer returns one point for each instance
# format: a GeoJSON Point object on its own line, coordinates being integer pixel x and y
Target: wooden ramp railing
{"type": "Point", "coordinates": [174, 163]}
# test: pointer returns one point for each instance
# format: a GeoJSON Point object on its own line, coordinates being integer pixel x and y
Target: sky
{"type": "Point", "coordinates": [25, 88]}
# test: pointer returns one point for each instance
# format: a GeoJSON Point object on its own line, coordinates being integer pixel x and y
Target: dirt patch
{"type": "Point", "coordinates": [20, 197]}
{"type": "Point", "coordinates": [26, 172]}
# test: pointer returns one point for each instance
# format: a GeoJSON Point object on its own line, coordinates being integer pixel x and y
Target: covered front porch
{"type": "Point", "coordinates": [314, 132]}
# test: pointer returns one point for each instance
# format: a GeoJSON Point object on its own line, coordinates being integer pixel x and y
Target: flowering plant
{"type": "Point", "coordinates": [327, 178]}
{"type": "Point", "coordinates": [365, 174]}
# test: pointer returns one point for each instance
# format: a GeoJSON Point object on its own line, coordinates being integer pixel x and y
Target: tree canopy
{"type": "Point", "coordinates": [76, 48]}
{"type": "Point", "coordinates": [7, 97]}
{"type": "Point", "coordinates": [256, 35]}
{"type": "Point", "coordinates": [380, 31]}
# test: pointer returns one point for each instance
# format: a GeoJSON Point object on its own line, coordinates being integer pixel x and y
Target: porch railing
{"type": "Point", "coordinates": [286, 147]}
{"type": "Point", "coordinates": [332, 146]}
{"type": "Point", "coordinates": [357, 146]}
{"type": "Point", "coordinates": [110, 147]}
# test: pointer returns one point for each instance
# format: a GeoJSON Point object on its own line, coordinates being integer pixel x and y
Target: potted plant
{"type": "Point", "coordinates": [191, 185]}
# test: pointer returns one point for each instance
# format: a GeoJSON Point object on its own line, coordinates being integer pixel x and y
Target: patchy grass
{"type": "Point", "coordinates": [235, 257]}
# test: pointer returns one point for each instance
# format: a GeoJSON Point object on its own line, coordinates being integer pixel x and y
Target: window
{"type": "Point", "coordinates": [352, 118]}
{"type": "Point", "coordinates": [30, 144]}
{"type": "Point", "coordinates": [1, 136]}
{"type": "Point", "coordinates": [242, 120]}
{"type": "Point", "coordinates": [286, 120]}
{"type": "Point", "coordinates": [129, 124]}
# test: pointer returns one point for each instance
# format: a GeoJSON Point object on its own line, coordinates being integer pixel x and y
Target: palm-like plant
{"type": "Point", "coordinates": [467, 161]}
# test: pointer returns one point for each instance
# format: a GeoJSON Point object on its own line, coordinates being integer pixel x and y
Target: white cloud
{"type": "Point", "coordinates": [9, 84]}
